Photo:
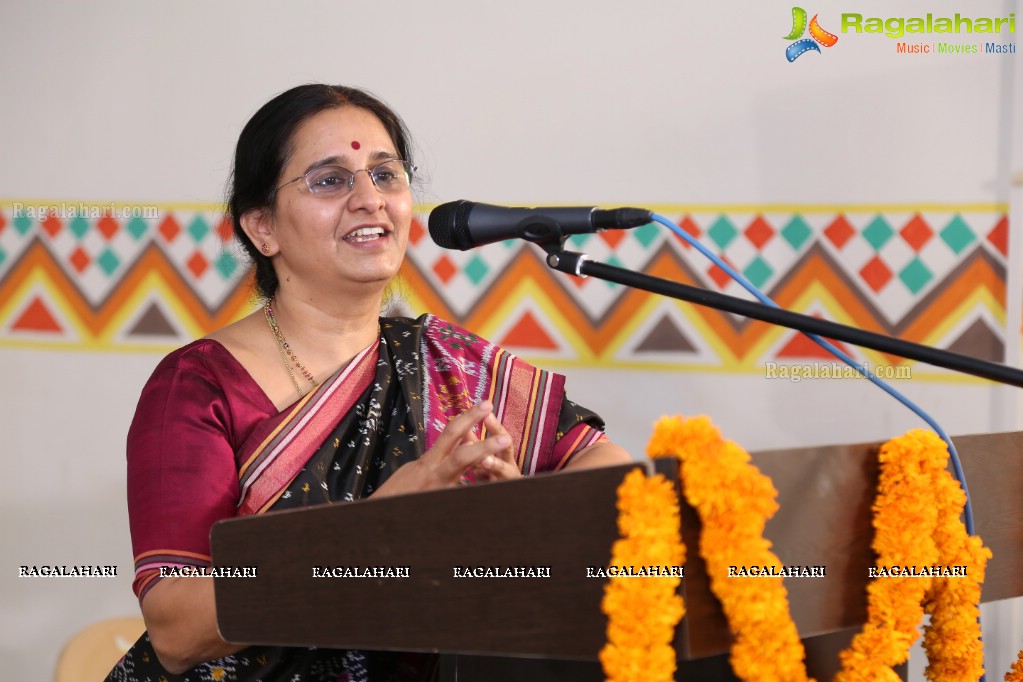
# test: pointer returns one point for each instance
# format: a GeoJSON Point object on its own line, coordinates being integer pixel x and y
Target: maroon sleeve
{"type": "Point", "coordinates": [182, 475]}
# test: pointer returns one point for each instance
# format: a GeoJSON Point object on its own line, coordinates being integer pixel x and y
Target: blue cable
{"type": "Point", "coordinates": [827, 345]}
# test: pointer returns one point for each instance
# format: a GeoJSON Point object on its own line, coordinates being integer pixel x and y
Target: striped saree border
{"type": "Point", "coordinates": [277, 457]}
{"type": "Point", "coordinates": [148, 565]}
{"type": "Point", "coordinates": [524, 396]}
{"type": "Point", "coordinates": [579, 437]}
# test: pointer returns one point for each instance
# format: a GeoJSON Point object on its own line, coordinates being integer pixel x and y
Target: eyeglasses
{"type": "Point", "coordinates": [334, 181]}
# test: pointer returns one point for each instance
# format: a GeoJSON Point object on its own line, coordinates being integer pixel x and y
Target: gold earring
{"type": "Point", "coordinates": [265, 248]}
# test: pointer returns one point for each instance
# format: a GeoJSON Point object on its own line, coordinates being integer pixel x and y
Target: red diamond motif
{"type": "Point", "coordinates": [3, 223]}
{"type": "Point", "coordinates": [719, 276]}
{"type": "Point", "coordinates": [80, 260]}
{"type": "Point", "coordinates": [108, 227]}
{"type": "Point", "coordinates": [52, 225]}
{"type": "Point", "coordinates": [759, 232]}
{"type": "Point", "coordinates": [691, 227]}
{"type": "Point", "coordinates": [444, 269]}
{"type": "Point", "coordinates": [225, 229]}
{"type": "Point", "coordinates": [612, 237]}
{"type": "Point", "coordinates": [197, 264]}
{"type": "Point", "coordinates": [839, 231]}
{"type": "Point", "coordinates": [876, 274]}
{"type": "Point", "coordinates": [169, 228]}
{"type": "Point", "coordinates": [999, 237]}
{"type": "Point", "coordinates": [416, 232]}
{"type": "Point", "coordinates": [917, 232]}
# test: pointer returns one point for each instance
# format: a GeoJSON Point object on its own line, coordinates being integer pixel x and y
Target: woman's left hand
{"type": "Point", "coordinates": [500, 466]}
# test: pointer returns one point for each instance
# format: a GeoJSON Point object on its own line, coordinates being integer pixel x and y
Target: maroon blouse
{"type": "Point", "coordinates": [193, 416]}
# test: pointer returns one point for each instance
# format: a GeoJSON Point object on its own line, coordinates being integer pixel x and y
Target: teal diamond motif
{"type": "Point", "coordinates": [758, 272]}
{"type": "Point", "coordinates": [225, 265]}
{"type": "Point", "coordinates": [878, 232]}
{"type": "Point", "coordinates": [617, 263]}
{"type": "Point", "coordinates": [476, 269]}
{"type": "Point", "coordinates": [79, 226]}
{"type": "Point", "coordinates": [915, 275]}
{"type": "Point", "coordinates": [796, 232]}
{"type": "Point", "coordinates": [198, 229]}
{"type": "Point", "coordinates": [957, 234]}
{"type": "Point", "coordinates": [509, 243]}
{"type": "Point", "coordinates": [137, 227]}
{"type": "Point", "coordinates": [722, 232]}
{"type": "Point", "coordinates": [108, 261]}
{"type": "Point", "coordinates": [23, 224]}
{"type": "Point", "coordinates": [3, 256]}
{"type": "Point", "coordinates": [646, 234]}
{"type": "Point", "coordinates": [579, 240]}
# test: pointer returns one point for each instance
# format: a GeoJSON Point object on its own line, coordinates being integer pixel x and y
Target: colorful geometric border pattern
{"type": "Point", "coordinates": [933, 274]}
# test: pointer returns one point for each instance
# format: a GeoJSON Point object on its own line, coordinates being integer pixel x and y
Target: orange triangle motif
{"type": "Point", "coordinates": [527, 333]}
{"type": "Point", "coordinates": [37, 318]}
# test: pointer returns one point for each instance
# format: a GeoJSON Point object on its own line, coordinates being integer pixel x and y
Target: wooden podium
{"type": "Point", "coordinates": [552, 627]}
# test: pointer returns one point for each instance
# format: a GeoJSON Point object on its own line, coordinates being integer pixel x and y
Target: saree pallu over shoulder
{"type": "Point", "coordinates": [463, 369]}
{"type": "Point", "coordinates": [279, 448]}
{"type": "Point", "coordinates": [454, 368]}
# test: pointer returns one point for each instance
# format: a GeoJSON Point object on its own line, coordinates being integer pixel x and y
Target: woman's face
{"type": "Point", "coordinates": [357, 238]}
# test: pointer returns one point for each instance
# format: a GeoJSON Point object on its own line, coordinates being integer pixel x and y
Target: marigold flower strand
{"type": "Point", "coordinates": [1015, 673]}
{"type": "Point", "coordinates": [734, 500]}
{"type": "Point", "coordinates": [642, 613]}
{"type": "Point", "coordinates": [953, 638]}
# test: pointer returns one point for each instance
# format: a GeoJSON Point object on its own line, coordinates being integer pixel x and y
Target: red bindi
{"type": "Point", "coordinates": [355, 144]}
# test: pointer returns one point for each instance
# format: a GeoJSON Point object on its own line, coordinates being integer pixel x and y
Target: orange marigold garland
{"type": "Point", "coordinates": [905, 516]}
{"type": "Point", "coordinates": [1015, 673]}
{"type": "Point", "coordinates": [952, 640]}
{"type": "Point", "coordinates": [734, 501]}
{"type": "Point", "coordinates": [642, 612]}
{"type": "Point", "coordinates": [917, 523]}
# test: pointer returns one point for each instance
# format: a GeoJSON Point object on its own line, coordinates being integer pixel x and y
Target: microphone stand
{"type": "Point", "coordinates": [581, 265]}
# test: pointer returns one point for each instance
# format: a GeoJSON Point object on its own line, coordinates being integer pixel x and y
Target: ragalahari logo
{"type": "Point", "coordinates": [817, 35]}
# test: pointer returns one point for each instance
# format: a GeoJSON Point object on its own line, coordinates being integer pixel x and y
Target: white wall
{"type": "Point", "coordinates": [530, 102]}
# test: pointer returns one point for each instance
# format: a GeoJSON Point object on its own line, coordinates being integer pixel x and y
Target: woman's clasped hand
{"type": "Point", "coordinates": [457, 449]}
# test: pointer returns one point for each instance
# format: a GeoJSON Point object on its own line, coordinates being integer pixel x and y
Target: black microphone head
{"type": "Point", "coordinates": [449, 225]}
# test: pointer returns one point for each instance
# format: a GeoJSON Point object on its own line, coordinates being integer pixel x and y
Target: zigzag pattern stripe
{"type": "Point", "coordinates": [933, 275]}
{"type": "Point", "coordinates": [36, 277]}
{"type": "Point", "coordinates": [527, 274]}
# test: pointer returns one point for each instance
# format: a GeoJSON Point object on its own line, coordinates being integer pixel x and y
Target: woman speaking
{"type": "Point", "coordinates": [316, 398]}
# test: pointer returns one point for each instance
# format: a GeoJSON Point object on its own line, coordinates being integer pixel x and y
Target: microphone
{"type": "Point", "coordinates": [465, 224]}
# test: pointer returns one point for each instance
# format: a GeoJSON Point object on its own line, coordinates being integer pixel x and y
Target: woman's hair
{"type": "Point", "coordinates": [265, 145]}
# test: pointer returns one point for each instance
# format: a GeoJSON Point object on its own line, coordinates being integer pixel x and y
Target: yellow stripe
{"type": "Point", "coordinates": [934, 375]}
{"type": "Point", "coordinates": [210, 206]}
{"type": "Point", "coordinates": [784, 208]}
{"type": "Point", "coordinates": [98, 203]}
{"type": "Point", "coordinates": [825, 208]}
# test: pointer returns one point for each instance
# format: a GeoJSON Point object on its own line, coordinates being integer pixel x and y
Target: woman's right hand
{"type": "Point", "coordinates": [456, 450]}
